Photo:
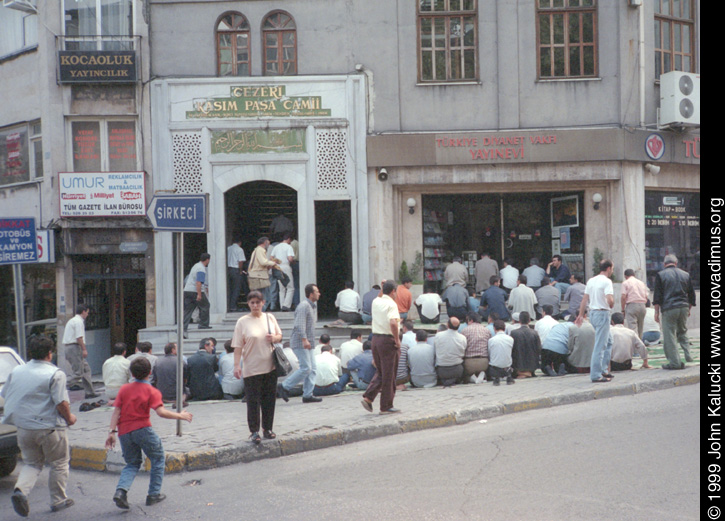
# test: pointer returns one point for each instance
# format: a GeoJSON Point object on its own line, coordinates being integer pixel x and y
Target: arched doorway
{"type": "Point", "coordinates": [252, 210]}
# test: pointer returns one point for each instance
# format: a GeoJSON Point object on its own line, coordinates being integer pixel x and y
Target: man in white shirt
{"type": "Point", "coordinates": [599, 296]}
{"type": "Point", "coordinates": [235, 272]}
{"type": "Point", "coordinates": [329, 378]}
{"type": "Point", "coordinates": [196, 293]}
{"type": "Point", "coordinates": [546, 322]}
{"type": "Point", "coordinates": [522, 298]}
{"type": "Point", "coordinates": [349, 303]}
{"type": "Point", "coordinates": [429, 307]}
{"type": "Point", "coordinates": [509, 276]}
{"type": "Point", "coordinates": [625, 343]}
{"type": "Point", "coordinates": [286, 256]}
{"type": "Point", "coordinates": [386, 350]}
{"type": "Point", "coordinates": [116, 370]}
{"type": "Point", "coordinates": [500, 347]}
{"type": "Point", "coordinates": [76, 352]}
{"type": "Point", "coordinates": [351, 348]}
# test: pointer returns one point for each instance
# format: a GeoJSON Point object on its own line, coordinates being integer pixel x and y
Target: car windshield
{"type": "Point", "coordinates": [7, 363]}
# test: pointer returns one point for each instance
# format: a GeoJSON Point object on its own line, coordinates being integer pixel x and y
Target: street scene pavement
{"type": "Point", "coordinates": [218, 435]}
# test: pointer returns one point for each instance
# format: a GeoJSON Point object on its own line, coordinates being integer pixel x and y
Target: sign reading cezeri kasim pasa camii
{"type": "Point", "coordinates": [97, 66]}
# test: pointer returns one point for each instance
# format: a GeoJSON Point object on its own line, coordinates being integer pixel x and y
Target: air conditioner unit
{"type": "Point", "coordinates": [679, 99]}
{"type": "Point", "coordinates": [21, 5]}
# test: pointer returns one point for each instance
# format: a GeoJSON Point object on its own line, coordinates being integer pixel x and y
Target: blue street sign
{"type": "Point", "coordinates": [179, 213]}
{"type": "Point", "coordinates": [18, 240]}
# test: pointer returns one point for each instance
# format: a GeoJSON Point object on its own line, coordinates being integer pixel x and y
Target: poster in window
{"type": "Point", "coordinates": [14, 157]}
{"type": "Point", "coordinates": [121, 146]}
{"type": "Point", "coordinates": [565, 212]}
{"type": "Point", "coordinates": [86, 146]}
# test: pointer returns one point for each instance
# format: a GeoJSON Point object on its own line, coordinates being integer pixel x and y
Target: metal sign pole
{"type": "Point", "coordinates": [20, 309]}
{"type": "Point", "coordinates": [179, 326]}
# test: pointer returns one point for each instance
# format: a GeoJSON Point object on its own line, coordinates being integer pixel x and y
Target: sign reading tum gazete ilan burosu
{"type": "Point", "coordinates": [97, 66]}
{"type": "Point", "coordinates": [258, 101]}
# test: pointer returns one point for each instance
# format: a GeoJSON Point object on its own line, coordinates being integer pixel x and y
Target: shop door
{"type": "Point", "coordinates": [526, 233]}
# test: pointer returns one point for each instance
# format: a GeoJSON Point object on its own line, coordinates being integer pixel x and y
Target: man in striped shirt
{"type": "Point", "coordinates": [303, 332]}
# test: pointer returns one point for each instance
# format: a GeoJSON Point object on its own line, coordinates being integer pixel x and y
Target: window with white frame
{"type": "Point", "coordinates": [18, 31]}
{"type": "Point", "coordinates": [21, 153]}
{"type": "Point", "coordinates": [104, 145]}
{"type": "Point", "coordinates": [36, 150]}
{"type": "Point", "coordinates": [98, 25]}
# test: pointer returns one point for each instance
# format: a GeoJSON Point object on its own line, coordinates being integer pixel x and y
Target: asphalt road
{"type": "Point", "coordinates": [626, 458]}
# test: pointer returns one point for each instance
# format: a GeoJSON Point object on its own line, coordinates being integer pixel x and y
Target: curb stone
{"type": "Point", "coordinates": [98, 459]}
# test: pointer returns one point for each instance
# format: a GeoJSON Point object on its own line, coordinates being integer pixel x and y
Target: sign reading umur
{"type": "Point", "coordinates": [258, 101]}
{"type": "Point", "coordinates": [97, 66]}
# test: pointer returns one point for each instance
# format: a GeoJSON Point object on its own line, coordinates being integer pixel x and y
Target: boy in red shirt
{"type": "Point", "coordinates": [132, 422]}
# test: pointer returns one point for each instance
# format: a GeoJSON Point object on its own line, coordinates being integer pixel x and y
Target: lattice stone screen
{"type": "Point", "coordinates": [331, 151]}
{"type": "Point", "coordinates": [187, 163]}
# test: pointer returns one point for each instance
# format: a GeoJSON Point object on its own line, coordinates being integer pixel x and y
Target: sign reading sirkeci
{"type": "Point", "coordinates": [102, 194]}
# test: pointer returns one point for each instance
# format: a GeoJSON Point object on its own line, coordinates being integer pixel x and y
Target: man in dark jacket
{"type": "Point", "coordinates": [527, 348]}
{"type": "Point", "coordinates": [493, 300]}
{"type": "Point", "coordinates": [164, 374]}
{"type": "Point", "coordinates": [673, 298]}
{"type": "Point", "coordinates": [203, 382]}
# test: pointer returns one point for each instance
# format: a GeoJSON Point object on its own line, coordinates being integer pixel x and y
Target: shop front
{"type": "Point", "coordinates": [273, 154]}
{"type": "Point", "coordinates": [517, 196]}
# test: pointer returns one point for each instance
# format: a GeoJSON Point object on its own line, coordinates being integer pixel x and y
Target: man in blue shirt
{"type": "Point", "coordinates": [555, 350]}
{"type": "Point", "coordinates": [493, 300]}
{"type": "Point", "coordinates": [361, 367]}
{"type": "Point", "coordinates": [367, 304]}
{"type": "Point", "coordinates": [558, 273]}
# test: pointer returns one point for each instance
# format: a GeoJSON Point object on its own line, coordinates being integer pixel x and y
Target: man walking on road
{"type": "Point", "coordinates": [37, 403]}
{"type": "Point", "coordinates": [673, 298]}
{"type": "Point", "coordinates": [196, 293]}
{"type": "Point", "coordinates": [599, 295]}
{"type": "Point", "coordinates": [303, 334]}
{"type": "Point", "coordinates": [386, 350]}
{"type": "Point", "coordinates": [76, 352]}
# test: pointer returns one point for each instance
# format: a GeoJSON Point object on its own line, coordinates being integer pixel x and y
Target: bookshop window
{"type": "Point", "coordinates": [672, 225]}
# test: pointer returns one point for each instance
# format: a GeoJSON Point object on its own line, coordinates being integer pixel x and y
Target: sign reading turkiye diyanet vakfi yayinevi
{"type": "Point", "coordinates": [18, 240]}
{"type": "Point", "coordinates": [102, 194]}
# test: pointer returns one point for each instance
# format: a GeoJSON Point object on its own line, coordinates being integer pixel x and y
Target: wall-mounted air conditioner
{"type": "Point", "coordinates": [21, 5]}
{"type": "Point", "coordinates": [679, 99]}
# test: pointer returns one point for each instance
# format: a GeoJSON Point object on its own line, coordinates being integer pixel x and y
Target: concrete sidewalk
{"type": "Point", "coordinates": [218, 435]}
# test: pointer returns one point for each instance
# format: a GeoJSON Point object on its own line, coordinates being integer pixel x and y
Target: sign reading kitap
{"type": "Point", "coordinates": [256, 101]}
{"type": "Point", "coordinates": [102, 194]}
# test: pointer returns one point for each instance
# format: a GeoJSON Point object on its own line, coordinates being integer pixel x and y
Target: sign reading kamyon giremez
{"type": "Point", "coordinates": [97, 66]}
{"type": "Point", "coordinates": [258, 101]}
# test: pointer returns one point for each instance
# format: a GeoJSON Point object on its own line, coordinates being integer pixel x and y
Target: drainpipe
{"type": "Point", "coordinates": [642, 122]}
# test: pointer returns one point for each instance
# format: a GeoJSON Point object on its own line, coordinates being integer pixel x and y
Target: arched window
{"type": "Point", "coordinates": [279, 37]}
{"type": "Point", "coordinates": [232, 41]}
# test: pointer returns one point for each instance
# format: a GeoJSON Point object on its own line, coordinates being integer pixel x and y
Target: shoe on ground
{"type": "Point", "coordinates": [91, 395]}
{"type": "Point", "coordinates": [282, 392]}
{"type": "Point", "coordinates": [269, 434]}
{"type": "Point", "coordinates": [20, 503]}
{"type": "Point", "coordinates": [311, 399]}
{"type": "Point", "coordinates": [367, 405]}
{"type": "Point", "coordinates": [205, 327]}
{"type": "Point", "coordinates": [255, 438]}
{"type": "Point", "coordinates": [120, 499]}
{"type": "Point", "coordinates": [155, 498]}
{"type": "Point", "coordinates": [562, 370]}
{"type": "Point", "coordinates": [392, 410]}
{"type": "Point", "coordinates": [510, 380]}
{"type": "Point", "coordinates": [75, 388]}
{"type": "Point", "coordinates": [688, 358]}
{"type": "Point", "coordinates": [496, 381]}
{"type": "Point", "coordinates": [548, 370]}
{"type": "Point", "coordinates": [62, 505]}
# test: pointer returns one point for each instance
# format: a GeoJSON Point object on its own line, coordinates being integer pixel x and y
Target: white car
{"type": "Point", "coordinates": [9, 360]}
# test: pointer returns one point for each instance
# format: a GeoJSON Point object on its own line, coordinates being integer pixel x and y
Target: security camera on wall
{"type": "Point", "coordinates": [383, 174]}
